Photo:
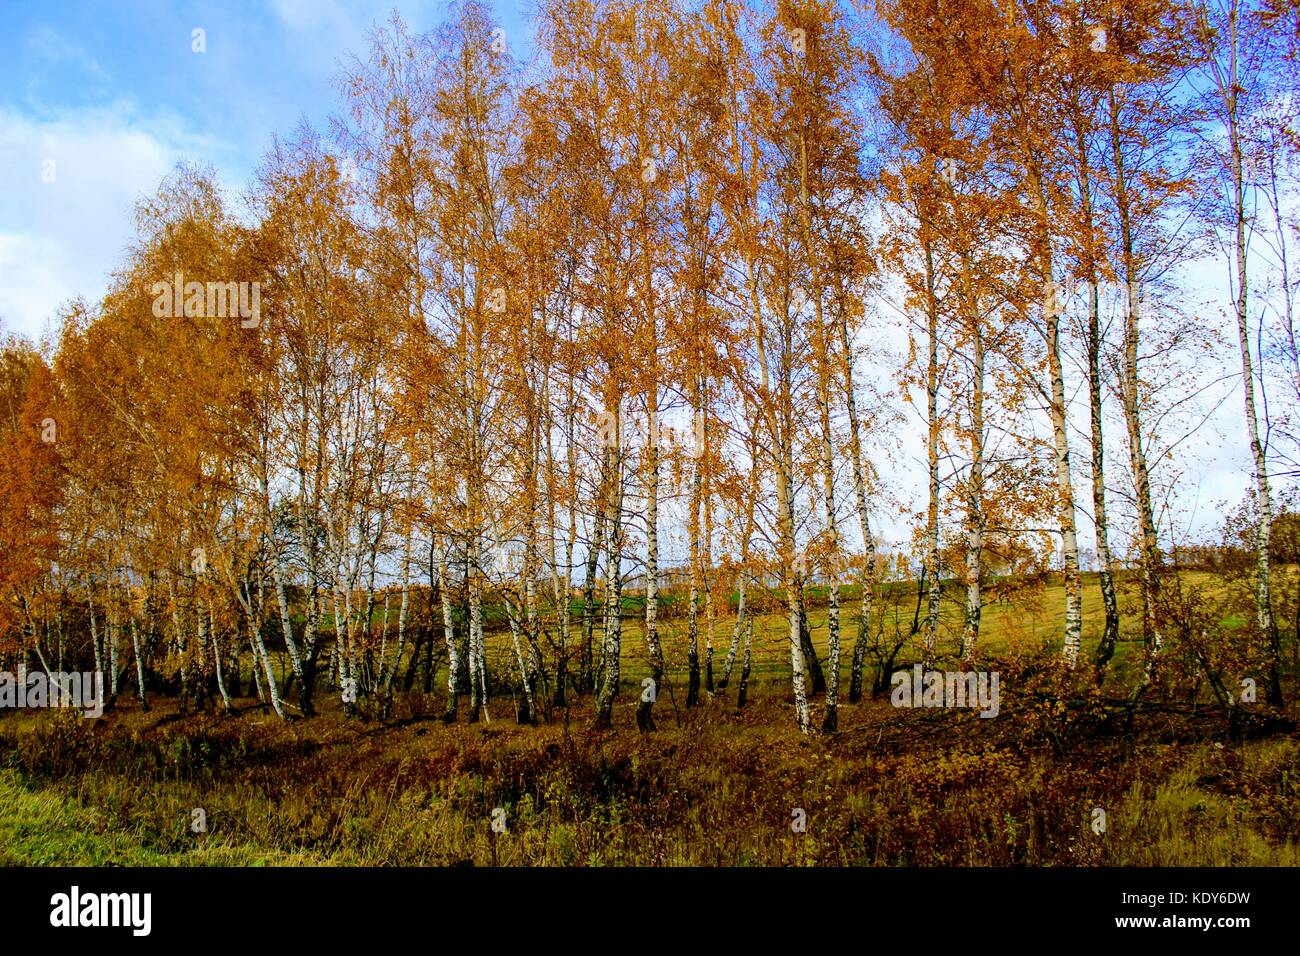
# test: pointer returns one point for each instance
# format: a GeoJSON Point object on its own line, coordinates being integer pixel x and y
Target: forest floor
{"type": "Point", "coordinates": [1065, 775]}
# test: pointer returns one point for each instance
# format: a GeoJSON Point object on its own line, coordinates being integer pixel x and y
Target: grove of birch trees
{"type": "Point", "coordinates": [708, 304]}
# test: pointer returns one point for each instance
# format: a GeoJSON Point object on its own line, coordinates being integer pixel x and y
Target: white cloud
{"type": "Point", "coordinates": [30, 266]}
{"type": "Point", "coordinates": [62, 238]}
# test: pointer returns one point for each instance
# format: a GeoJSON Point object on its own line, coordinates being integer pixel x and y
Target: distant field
{"type": "Point", "coordinates": [1005, 626]}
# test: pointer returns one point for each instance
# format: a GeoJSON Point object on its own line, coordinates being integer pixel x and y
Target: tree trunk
{"type": "Point", "coordinates": [743, 691]}
{"type": "Point", "coordinates": [94, 635]}
{"type": "Point", "coordinates": [790, 580]}
{"type": "Point", "coordinates": [139, 656]}
{"type": "Point", "coordinates": [830, 722]}
{"type": "Point", "coordinates": [1106, 569]}
{"type": "Point", "coordinates": [262, 660]}
{"type": "Point", "coordinates": [216, 659]}
{"type": "Point", "coordinates": [867, 580]}
{"type": "Point", "coordinates": [282, 598]}
{"type": "Point", "coordinates": [449, 634]}
{"type": "Point", "coordinates": [179, 631]}
{"type": "Point", "coordinates": [594, 548]}
{"type": "Point", "coordinates": [645, 706]}
{"type": "Point", "coordinates": [477, 667]}
{"type": "Point", "coordinates": [1101, 524]}
{"type": "Point", "coordinates": [975, 500]}
{"type": "Point", "coordinates": [693, 596]}
{"type": "Point", "coordinates": [931, 637]}
{"type": "Point", "coordinates": [1060, 439]}
{"type": "Point", "coordinates": [614, 612]}
{"type": "Point", "coordinates": [1149, 558]}
{"type": "Point", "coordinates": [1263, 495]}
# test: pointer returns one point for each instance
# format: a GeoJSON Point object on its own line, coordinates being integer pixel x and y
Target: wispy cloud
{"type": "Point", "coordinates": [50, 46]}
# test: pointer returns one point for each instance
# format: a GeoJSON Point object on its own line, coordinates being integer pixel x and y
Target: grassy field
{"type": "Point", "coordinates": [1028, 624]}
{"type": "Point", "coordinates": [714, 785]}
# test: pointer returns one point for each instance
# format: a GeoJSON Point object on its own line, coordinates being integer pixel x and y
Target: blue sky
{"type": "Point", "coordinates": [115, 96]}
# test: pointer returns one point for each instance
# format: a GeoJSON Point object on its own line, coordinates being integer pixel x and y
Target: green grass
{"type": "Point", "coordinates": [46, 826]}
{"type": "Point", "coordinates": [43, 827]}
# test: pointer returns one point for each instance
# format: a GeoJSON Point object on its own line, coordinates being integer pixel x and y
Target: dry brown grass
{"type": "Point", "coordinates": [895, 787]}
